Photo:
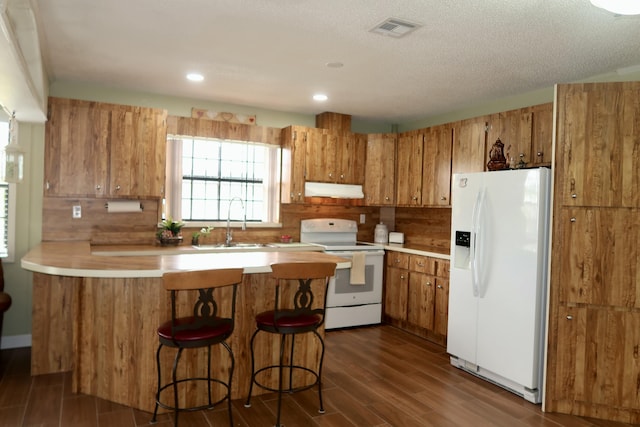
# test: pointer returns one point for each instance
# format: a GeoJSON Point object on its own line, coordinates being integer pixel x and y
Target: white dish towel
{"type": "Point", "coordinates": [357, 268]}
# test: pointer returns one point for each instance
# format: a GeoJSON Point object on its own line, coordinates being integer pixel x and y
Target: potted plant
{"type": "Point", "coordinates": [204, 231]}
{"type": "Point", "coordinates": [169, 232]}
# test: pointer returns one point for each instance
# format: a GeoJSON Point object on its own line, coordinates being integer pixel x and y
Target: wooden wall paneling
{"type": "Point", "coordinates": [52, 333]}
{"type": "Point", "coordinates": [96, 223]}
{"type": "Point", "coordinates": [425, 227]}
{"type": "Point", "coordinates": [216, 129]}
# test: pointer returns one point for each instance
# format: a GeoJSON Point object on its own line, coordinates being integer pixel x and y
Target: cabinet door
{"type": "Point", "coordinates": [293, 164]}
{"type": "Point", "coordinates": [395, 294]}
{"type": "Point", "coordinates": [513, 128]}
{"type": "Point", "coordinates": [351, 158]}
{"type": "Point", "coordinates": [76, 149]}
{"type": "Point", "coordinates": [436, 166]}
{"type": "Point", "coordinates": [597, 140]}
{"type": "Point", "coordinates": [441, 306]}
{"type": "Point", "coordinates": [469, 145]}
{"type": "Point", "coordinates": [421, 300]}
{"type": "Point", "coordinates": [138, 150]}
{"type": "Point", "coordinates": [379, 182]}
{"type": "Point", "coordinates": [409, 169]}
{"type": "Point", "coordinates": [321, 146]}
{"type": "Point", "coordinates": [595, 363]}
{"type": "Point", "coordinates": [599, 259]}
{"type": "Point", "coordinates": [541, 134]}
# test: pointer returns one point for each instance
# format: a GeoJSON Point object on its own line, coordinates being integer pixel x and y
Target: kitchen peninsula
{"type": "Point", "coordinates": [96, 315]}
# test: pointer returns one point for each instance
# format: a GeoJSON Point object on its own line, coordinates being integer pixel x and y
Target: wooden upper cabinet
{"type": "Point", "coordinates": [513, 128]}
{"type": "Point", "coordinates": [379, 181]}
{"type": "Point", "coordinates": [293, 164]}
{"type": "Point", "coordinates": [104, 150]}
{"type": "Point", "coordinates": [335, 157]}
{"type": "Point", "coordinates": [409, 155]}
{"type": "Point", "coordinates": [138, 152]}
{"type": "Point", "coordinates": [76, 149]}
{"type": "Point", "coordinates": [351, 158]}
{"type": "Point", "coordinates": [470, 145]}
{"type": "Point", "coordinates": [541, 134]}
{"type": "Point", "coordinates": [597, 144]}
{"type": "Point", "coordinates": [436, 166]}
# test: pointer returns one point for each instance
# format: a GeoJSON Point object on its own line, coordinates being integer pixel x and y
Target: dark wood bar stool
{"type": "Point", "coordinates": [201, 327]}
{"type": "Point", "coordinates": [302, 313]}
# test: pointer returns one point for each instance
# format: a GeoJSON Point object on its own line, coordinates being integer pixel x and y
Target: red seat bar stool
{"type": "Point", "coordinates": [306, 283]}
{"type": "Point", "coordinates": [201, 327]}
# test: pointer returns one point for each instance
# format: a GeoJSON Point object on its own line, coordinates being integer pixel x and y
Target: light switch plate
{"type": "Point", "coordinates": [77, 211]}
{"type": "Point", "coordinates": [363, 218]}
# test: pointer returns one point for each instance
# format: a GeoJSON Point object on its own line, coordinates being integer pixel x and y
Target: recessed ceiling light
{"type": "Point", "coordinates": [195, 77]}
{"type": "Point", "coordinates": [620, 7]}
{"type": "Point", "coordinates": [320, 97]}
{"type": "Point", "coordinates": [335, 64]}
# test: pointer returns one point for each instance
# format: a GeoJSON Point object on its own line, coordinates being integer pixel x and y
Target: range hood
{"type": "Point", "coordinates": [337, 191]}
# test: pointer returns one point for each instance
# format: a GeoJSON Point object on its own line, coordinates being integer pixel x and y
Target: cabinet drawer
{"type": "Point", "coordinates": [398, 260]}
{"type": "Point", "coordinates": [422, 264]}
{"type": "Point", "coordinates": [442, 268]}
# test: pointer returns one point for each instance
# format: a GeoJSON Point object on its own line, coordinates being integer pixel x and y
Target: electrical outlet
{"type": "Point", "coordinates": [77, 211]}
{"type": "Point", "coordinates": [363, 218]}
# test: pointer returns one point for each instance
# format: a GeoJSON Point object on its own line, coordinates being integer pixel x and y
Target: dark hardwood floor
{"type": "Point", "coordinates": [375, 376]}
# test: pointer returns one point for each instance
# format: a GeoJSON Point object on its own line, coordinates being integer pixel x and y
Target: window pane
{"type": "Point", "coordinates": [216, 171]}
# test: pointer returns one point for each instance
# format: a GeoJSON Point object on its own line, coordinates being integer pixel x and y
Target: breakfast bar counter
{"type": "Point", "coordinates": [97, 315]}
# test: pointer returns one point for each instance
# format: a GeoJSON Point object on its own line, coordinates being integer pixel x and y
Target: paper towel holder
{"type": "Point", "coordinates": [124, 206]}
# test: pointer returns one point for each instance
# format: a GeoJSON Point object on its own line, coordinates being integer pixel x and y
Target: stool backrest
{"type": "Point", "coordinates": [205, 308]}
{"type": "Point", "coordinates": [301, 274]}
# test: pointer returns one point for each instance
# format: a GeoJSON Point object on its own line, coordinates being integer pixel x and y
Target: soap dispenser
{"type": "Point", "coordinates": [381, 234]}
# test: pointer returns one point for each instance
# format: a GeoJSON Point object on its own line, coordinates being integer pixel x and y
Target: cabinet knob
{"type": "Point", "coordinates": [402, 276]}
{"type": "Point", "coordinates": [420, 264]}
{"type": "Point", "coordinates": [341, 176]}
{"type": "Point", "coordinates": [98, 187]}
{"type": "Point", "coordinates": [439, 286]}
{"type": "Point", "coordinates": [397, 261]}
{"type": "Point", "coordinates": [428, 283]}
{"type": "Point", "coordinates": [573, 219]}
{"type": "Point", "coordinates": [46, 185]}
{"type": "Point", "coordinates": [117, 187]}
{"type": "Point", "coordinates": [539, 154]}
{"type": "Point", "coordinates": [574, 196]}
{"type": "Point", "coordinates": [443, 198]}
{"type": "Point", "coordinates": [569, 317]}
{"type": "Point", "coordinates": [386, 198]}
{"type": "Point", "coordinates": [414, 198]}
{"type": "Point", "coordinates": [330, 175]}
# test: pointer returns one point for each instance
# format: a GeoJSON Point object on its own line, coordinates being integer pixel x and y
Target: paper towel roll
{"type": "Point", "coordinates": [124, 206]}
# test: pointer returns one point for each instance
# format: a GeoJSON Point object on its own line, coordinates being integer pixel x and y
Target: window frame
{"type": "Point", "coordinates": [172, 205]}
{"type": "Point", "coordinates": [11, 202]}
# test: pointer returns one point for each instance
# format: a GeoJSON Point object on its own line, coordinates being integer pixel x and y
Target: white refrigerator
{"type": "Point", "coordinates": [498, 281]}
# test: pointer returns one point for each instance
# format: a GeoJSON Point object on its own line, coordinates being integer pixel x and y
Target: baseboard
{"type": "Point", "coordinates": [15, 341]}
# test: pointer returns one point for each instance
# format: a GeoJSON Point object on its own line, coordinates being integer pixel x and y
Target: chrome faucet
{"type": "Point", "coordinates": [244, 220]}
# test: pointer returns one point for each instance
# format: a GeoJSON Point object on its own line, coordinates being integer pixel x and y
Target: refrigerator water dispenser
{"type": "Point", "coordinates": [463, 250]}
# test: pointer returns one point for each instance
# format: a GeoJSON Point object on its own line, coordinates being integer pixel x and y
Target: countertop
{"type": "Point", "coordinates": [76, 259]}
{"type": "Point", "coordinates": [419, 250]}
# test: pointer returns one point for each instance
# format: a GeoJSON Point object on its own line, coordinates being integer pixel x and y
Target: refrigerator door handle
{"type": "Point", "coordinates": [472, 253]}
{"type": "Point", "coordinates": [481, 255]}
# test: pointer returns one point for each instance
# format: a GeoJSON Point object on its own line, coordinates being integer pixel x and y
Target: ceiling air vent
{"type": "Point", "coordinates": [394, 27]}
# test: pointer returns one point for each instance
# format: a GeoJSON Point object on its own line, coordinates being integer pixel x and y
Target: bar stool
{"type": "Point", "coordinates": [201, 328]}
{"type": "Point", "coordinates": [5, 298]}
{"type": "Point", "coordinates": [302, 315]}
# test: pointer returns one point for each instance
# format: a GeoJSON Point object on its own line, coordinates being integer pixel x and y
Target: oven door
{"type": "Point", "coordinates": [342, 293]}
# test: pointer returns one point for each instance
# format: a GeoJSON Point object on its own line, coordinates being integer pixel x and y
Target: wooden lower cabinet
{"type": "Point", "coordinates": [596, 363]}
{"type": "Point", "coordinates": [417, 295]}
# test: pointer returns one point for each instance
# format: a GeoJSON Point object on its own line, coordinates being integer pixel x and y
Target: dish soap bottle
{"type": "Point", "coordinates": [381, 234]}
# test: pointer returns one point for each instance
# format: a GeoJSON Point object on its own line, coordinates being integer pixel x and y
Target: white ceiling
{"type": "Point", "coordinates": [273, 53]}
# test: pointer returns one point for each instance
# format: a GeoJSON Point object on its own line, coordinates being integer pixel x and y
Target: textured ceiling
{"type": "Point", "coordinates": [274, 53]}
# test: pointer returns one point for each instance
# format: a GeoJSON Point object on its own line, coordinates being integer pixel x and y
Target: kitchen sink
{"type": "Point", "coordinates": [236, 246]}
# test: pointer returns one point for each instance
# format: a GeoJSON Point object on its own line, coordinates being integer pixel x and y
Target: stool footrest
{"type": "Point", "coordinates": [193, 408]}
{"type": "Point", "coordinates": [285, 367]}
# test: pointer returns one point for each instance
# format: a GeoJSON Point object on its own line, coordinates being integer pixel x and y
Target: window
{"type": "Point", "coordinates": [209, 180]}
{"type": "Point", "coordinates": [7, 202]}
